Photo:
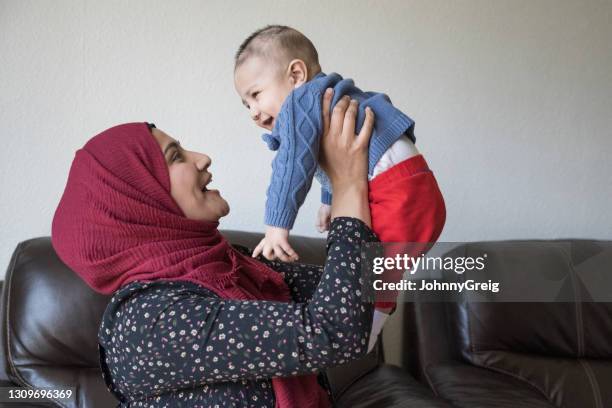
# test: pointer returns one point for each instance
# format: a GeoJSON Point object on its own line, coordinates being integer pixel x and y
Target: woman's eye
{"type": "Point", "coordinates": [175, 156]}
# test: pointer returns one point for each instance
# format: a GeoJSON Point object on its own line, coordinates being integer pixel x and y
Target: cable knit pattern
{"type": "Point", "coordinates": [296, 137]}
{"type": "Point", "coordinates": [295, 163]}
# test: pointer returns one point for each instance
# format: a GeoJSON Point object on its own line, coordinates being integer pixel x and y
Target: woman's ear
{"type": "Point", "coordinates": [298, 72]}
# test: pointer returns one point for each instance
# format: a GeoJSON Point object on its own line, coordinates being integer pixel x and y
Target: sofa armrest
{"type": "Point", "coordinates": [3, 374]}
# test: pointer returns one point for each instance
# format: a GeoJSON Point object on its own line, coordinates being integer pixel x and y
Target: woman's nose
{"type": "Point", "coordinates": [203, 162]}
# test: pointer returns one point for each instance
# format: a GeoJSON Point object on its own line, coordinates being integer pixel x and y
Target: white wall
{"type": "Point", "coordinates": [512, 100]}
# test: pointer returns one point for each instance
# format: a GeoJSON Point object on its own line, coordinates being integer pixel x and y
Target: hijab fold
{"type": "Point", "coordinates": [117, 223]}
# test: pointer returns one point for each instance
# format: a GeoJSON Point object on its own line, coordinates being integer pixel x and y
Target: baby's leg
{"type": "Point", "coordinates": [407, 207]}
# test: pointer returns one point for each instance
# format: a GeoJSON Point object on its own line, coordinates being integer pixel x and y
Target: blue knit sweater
{"type": "Point", "coordinates": [296, 135]}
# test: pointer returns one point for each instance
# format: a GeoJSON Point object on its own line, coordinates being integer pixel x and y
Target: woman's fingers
{"type": "Point", "coordinates": [319, 225]}
{"type": "Point", "coordinates": [327, 98]}
{"type": "Point", "coordinates": [338, 113]}
{"type": "Point", "coordinates": [363, 139]}
{"type": "Point", "coordinates": [348, 129]}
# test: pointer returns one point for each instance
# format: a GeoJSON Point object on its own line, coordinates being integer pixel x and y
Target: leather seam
{"type": "Point", "coordinates": [7, 314]}
{"type": "Point", "coordinates": [467, 311]}
{"type": "Point", "coordinates": [577, 304]}
{"type": "Point", "coordinates": [431, 385]}
{"type": "Point", "coordinates": [518, 377]}
{"type": "Point", "coordinates": [593, 381]}
{"type": "Point", "coordinates": [426, 368]}
{"type": "Point", "coordinates": [446, 314]}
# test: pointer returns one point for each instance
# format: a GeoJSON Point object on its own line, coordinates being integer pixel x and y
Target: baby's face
{"type": "Point", "coordinates": [263, 88]}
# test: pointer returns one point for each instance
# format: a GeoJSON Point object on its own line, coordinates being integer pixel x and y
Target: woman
{"type": "Point", "coordinates": [194, 322]}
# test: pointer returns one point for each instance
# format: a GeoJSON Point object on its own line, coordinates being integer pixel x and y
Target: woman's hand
{"type": "Point", "coordinates": [344, 157]}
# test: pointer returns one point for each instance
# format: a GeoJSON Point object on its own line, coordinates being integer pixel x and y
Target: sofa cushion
{"type": "Point", "coordinates": [535, 381]}
{"type": "Point", "coordinates": [391, 387]}
{"type": "Point", "coordinates": [474, 387]}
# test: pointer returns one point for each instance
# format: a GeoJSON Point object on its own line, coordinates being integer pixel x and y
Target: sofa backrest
{"type": "Point", "coordinates": [572, 325]}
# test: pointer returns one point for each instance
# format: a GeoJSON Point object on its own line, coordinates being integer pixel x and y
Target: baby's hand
{"type": "Point", "coordinates": [323, 218]}
{"type": "Point", "coordinates": [275, 245]}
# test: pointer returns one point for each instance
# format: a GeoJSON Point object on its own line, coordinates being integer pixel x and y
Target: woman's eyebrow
{"type": "Point", "coordinates": [175, 144]}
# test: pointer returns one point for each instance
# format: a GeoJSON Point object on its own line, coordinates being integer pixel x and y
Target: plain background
{"type": "Point", "coordinates": [512, 101]}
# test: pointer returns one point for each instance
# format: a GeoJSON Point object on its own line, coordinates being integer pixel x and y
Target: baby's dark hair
{"type": "Point", "coordinates": [281, 43]}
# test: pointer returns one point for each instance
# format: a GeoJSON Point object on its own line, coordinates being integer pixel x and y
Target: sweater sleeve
{"type": "Point", "coordinates": [297, 130]}
{"type": "Point", "coordinates": [204, 339]}
{"type": "Point", "coordinates": [326, 196]}
{"type": "Point", "coordinates": [326, 193]}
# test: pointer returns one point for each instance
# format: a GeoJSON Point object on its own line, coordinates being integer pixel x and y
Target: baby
{"type": "Point", "coordinates": [279, 79]}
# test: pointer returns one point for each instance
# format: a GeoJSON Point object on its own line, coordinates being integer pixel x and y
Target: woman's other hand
{"type": "Point", "coordinates": [344, 157]}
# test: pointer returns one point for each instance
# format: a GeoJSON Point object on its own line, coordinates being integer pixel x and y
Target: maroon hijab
{"type": "Point", "coordinates": [117, 222]}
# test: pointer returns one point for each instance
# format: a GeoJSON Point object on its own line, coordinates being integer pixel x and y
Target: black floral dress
{"type": "Point", "coordinates": [176, 344]}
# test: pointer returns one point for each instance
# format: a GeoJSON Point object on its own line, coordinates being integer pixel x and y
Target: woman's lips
{"type": "Point", "coordinates": [204, 187]}
{"type": "Point", "coordinates": [210, 191]}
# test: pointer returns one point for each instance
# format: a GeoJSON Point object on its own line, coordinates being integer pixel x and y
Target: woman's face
{"type": "Point", "coordinates": [189, 177]}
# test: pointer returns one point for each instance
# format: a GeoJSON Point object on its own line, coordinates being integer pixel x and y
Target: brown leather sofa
{"type": "Point", "coordinates": [532, 355]}
{"type": "Point", "coordinates": [49, 329]}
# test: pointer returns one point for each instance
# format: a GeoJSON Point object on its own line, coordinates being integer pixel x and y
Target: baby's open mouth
{"type": "Point", "coordinates": [268, 122]}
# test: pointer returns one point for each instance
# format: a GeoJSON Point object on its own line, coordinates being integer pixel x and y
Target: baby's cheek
{"type": "Point", "coordinates": [278, 106]}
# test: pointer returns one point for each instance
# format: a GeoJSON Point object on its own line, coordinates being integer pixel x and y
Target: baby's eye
{"type": "Point", "coordinates": [254, 94]}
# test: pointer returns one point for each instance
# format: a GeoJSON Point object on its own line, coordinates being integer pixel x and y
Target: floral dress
{"type": "Point", "coordinates": [177, 344]}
